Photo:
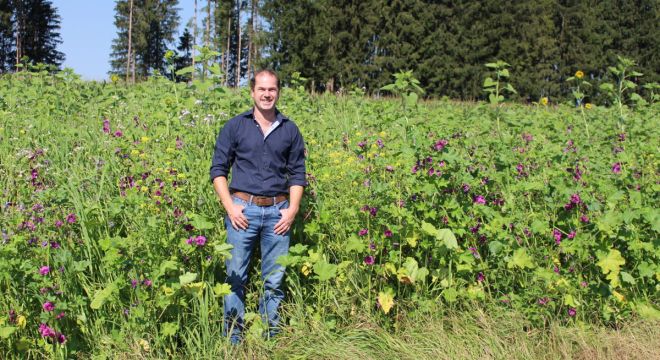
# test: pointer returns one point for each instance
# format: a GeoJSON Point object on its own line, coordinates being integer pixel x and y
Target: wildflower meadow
{"type": "Point", "coordinates": [447, 226]}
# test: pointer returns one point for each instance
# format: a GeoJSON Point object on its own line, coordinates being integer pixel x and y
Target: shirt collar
{"type": "Point", "coordinates": [278, 115]}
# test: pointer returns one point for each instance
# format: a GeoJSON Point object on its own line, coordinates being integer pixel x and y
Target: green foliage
{"type": "Point", "coordinates": [406, 86]}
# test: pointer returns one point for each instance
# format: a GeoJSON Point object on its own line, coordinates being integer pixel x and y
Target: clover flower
{"type": "Point", "coordinates": [46, 331]}
{"type": "Point", "coordinates": [44, 270]}
{"type": "Point", "coordinates": [48, 306]}
{"type": "Point", "coordinates": [71, 218]}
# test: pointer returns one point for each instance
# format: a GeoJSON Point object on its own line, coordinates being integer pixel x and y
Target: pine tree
{"type": "Point", "coordinates": [153, 27]}
{"type": "Point", "coordinates": [36, 25]}
{"type": "Point", "coordinates": [184, 54]}
{"type": "Point", "coordinates": [7, 51]}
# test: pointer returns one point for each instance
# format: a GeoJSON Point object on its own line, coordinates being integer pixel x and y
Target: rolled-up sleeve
{"type": "Point", "coordinates": [223, 155]}
{"type": "Point", "coordinates": [296, 161]}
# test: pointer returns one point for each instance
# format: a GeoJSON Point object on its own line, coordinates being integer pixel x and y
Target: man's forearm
{"type": "Point", "coordinates": [222, 189]}
{"type": "Point", "coordinates": [295, 196]}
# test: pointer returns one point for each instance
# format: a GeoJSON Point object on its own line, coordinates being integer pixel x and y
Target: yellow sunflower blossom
{"type": "Point", "coordinates": [588, 106]}
{"type": "Point", "coordinates": [544, 101]}
{"type": "Point", "coordinates": [579, 74]}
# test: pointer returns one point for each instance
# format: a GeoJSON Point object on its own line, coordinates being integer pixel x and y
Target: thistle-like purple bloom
{"type": "Point", "coordinates": [71, 218]}
{"type": "Point", "coordinates": [44, 270]}
{"type": "Point", "coordinates": [369, 260]}
{"type": "Point", "coordinates": [373, 211]}
{"type": "Point", "coordinates": [179, 143]}
{"type": "Point", "coordinates": [479, 200]}
{"type": "Point", "coordinates": [466, 188]}
{"type": "Point", "coordinates": [48, 306]}
{"type": "Point", "coordinates": [46, 331]}
{"type": "Point", "coordinates": [147, 283]}
{"type": "Point", "coordinates": [440, 144]}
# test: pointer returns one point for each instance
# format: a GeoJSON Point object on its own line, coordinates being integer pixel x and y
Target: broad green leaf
{"type": "Point", "coordinates": [298, 249]}
{"type": "Point", "coordinates": [187, 278]}
{"type": "Point", "coordinates": [647, 311]}
{"type": "Point", "coordinates": [223, 250]}
{"type": "Point", "coordinates": [386, 300]}
{"type": "Point", "coordinates": [101, 296]}
{"type": "Point", "coordinates": [488, 82]}
{"type": "Point", "coordinates": [6, 331]}
{"type": "Point", "coordinates": [185, 70]}
{"type": "Point", "coordinates": [221, 289]}
{"type": "Point", "coordinates": [448, 238]}
{"type": "Point", "coordinates": [521, 260]}
{"type": "Point", "coordinates": [355, 244]}
{"type": "Point", "coordinates": [200, 222]}
{"type": "Point", "coordinates": [495, 247]}
{"type": "Point", "coordinates": [325, 270]}
{"type": "Point", "coordinates": [450, 295]}
{"type": "Point", "coordinates": [610, 264]}
{"type": "Point", "coordinates": [569, 300]}
{"type": "Point", "coordinates": [169, 328]}
{"type": "Point", "coordinates": [626, 277]}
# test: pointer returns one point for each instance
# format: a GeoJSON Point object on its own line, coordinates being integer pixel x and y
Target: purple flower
{"type": "Point", "coordinates": [479, 200]}
{"type": "Point", "coordinates": [366, 183]}
{"type": "Point", "coordinates": [556, 269]}
{"type": "Point", "coordinates": [147, 283]}
{"type": "Point", "coordinates": [622, 137]}
{"type": "Point", "coordinates": [380, 144]}
{"type": "Point", "coordinates": [34, 173]}
{"type": "Point", "coordinates": [363, 232]}
{"type": "Point", "coordinates": [373, 211]}
{"type": "Point", "coordinates": [480, 277]}
{"type": "Point", "coordinates": [389, 168]}
{"type": "Point", "coordinates": [466, 188]}
{"type": "Point", "coordinates": [200, 240]}
{"type": "Point", "coordinates": [372, 246]}
{"type": "Point", "coordinates": [12, 316]}
{"type": "Point", "coordinates": [557, 235]}
{"type": "Point", "coordinates": [118, 133]}
{"type": "Point", "coordinates": [362, 144]}
{"type": "Point", "coordinates": [58, 223]}
{"type": "Point", "coordinates": [414, 169]}
{"type": "Point", "coordinates": [59, 316]}
{"type": "Point", "coordinates": [44, 270]}
{"type": "Point", "coordinates": [571, 235]}
{"type": "Point", "coordinates": [46, 331]}
{"type": "Point", "coordinates": [106, 126]}
{"type": "Point", "coordinates": [369, 260]}
{"type": "Point", "coordinates": [71, 218]}
{"type": "Point", "coordinates": [572, 312]}
{"type": "Point", "coordinates": [527, 137]}
{"type": "Point", "coordinates": [544, 300]}
{"type": "Point", "coordinates": [387, 233]}
{"type": "Point", "coordinates": [474, 252]}
{"type": "Point", "coordinates": [584, 284]}
{"type": "Point", "coordinates": [179, 143]}
{"type": "Point", "coordinates": [48, 306]}
{"type": "Point", "coordinates": [134, 283]}
{"type": "Point", "coordinates": [616, 168]}
{"type": "Point", "coordinates": [575, 199]}
{"type": "Point", "coordinates": [61, 338]}
{"type": "Point", "coordinates": [54, 245]}
{"type": "Point", "coordinates": [442, 163]}
{"type": "Point", "coordinates": [440, 144]}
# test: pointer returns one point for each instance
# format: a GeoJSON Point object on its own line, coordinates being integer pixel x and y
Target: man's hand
{"type": "Point", "coordinates": [238, 220]}
{"type": "Point", "coordinates": [284, 225]}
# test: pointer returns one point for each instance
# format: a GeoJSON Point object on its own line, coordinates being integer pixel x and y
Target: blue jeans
{"type": "Point", "coordinates": [261, 222]}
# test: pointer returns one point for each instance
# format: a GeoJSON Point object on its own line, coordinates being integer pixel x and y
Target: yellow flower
{"type": "Point", "coordinates": [588, 106]}
{"type": "Point", "coordinates": [145, 139]}
{"type": "Point", "coordinates": [544, 101]}
{"type": "Point", "coordinates": [21, 321]}
{"type": "Point", "coordinates": [579, 74]}
{"type": "Point", "coordinates": [306, 269]}
{"type": "Point", "coordinates": [144, 344]}
{"type": "Point", "coordinates": [135, 152]}
{"type": "Point", "coordinates": [114, 78]}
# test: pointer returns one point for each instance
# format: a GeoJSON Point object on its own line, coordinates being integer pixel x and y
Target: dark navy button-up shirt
{"type": "Point", "coordinates": [259, 166]}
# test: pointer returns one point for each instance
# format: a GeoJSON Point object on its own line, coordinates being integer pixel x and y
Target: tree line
{"type": "Point", "coordinates": [343, 45]}
{"type": "Point", "coordinates": [28, 32]}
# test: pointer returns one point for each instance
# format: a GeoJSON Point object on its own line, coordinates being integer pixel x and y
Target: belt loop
{"type": "Point", "coordinates": [274, 201]}
{"type": "Point", "coordinates": [250, 201]}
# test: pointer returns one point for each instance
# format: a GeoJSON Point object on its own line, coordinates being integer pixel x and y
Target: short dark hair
{"type": "Point", "coordinates": [267, 71]}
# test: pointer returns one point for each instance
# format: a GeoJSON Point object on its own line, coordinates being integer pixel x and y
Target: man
{"type": "Point", "coordinates": [265, 152]}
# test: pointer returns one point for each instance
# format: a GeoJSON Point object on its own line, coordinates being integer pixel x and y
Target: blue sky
{"type": "Point", "coordinates": [87, 30]}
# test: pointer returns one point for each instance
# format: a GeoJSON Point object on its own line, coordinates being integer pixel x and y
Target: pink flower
{"type": "Point", "coordinates": [480, 277]}
{"type": "Point", "coordinates": [179, 143]}
{"type": "Point", "coordinates": [44, 270]}
{"type": "Point", "coordinates": [71, 218]}
{"type": "Point", "coordinates": [46, 331]}
{"type": "Point", "coordinates": [147, 282]}
{"type": "Point", "coordinates": [616, 168]}
{"type": "Point", "coordinates": [106, 126]}
{"type": "Point", "coordinates": [363, 232]}
{"type": "Point", "coordinates": [440, 144]}
{"type": "Point", "coordinates": [557, 235]}
{"type": "Point", "coordinates": [479, 200]}
{"type": "Point", "coordinates": [118, 133]}
{"type": "Point", "coordinates": [572, 312]}
{"type": "Point", "coordinates": [389, 168]}
{"type": "Point", "coordinates": [48, 306]}
{"type": "Point", "coordinates": [58, 223]}
{"type": "Point", "coordinates": [61, 338]}
{"type": "Point", "coordinates": [584, 218]}
{"type": "Point", "coordinates": [369, 260]}
{"type": "Point", "coordinates": [387, 233]}
{"type": "Point", "coordinates": [59, 316]}
{"type": "Point", "coordinates": [571, 235]}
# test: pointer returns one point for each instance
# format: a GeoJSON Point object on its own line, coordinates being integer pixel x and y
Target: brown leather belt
{"type": "Point", "coordinates": [260, 200]}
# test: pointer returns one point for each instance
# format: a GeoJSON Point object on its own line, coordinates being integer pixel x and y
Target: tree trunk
{"type": "Point", "coordinates": [227, 51]}
{"type": "Point", "coordinates": [130, 34]}
{"type": "Point", "coordinates": [251, 42]}
{"type": "Point", "coordinates": [238, 51]}
{"type": "Point", "coordinates": [192, 75]}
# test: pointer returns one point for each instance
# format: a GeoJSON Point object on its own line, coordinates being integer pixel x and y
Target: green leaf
{"type": "Point", "coordinates": [628, 278]}
{"type": "Point", "coordinates": [169, 328]}
{"type": "Point", "coordinates": [495, 247]}
{"type": "Point", "coordinates": [200, 222]}
{"type": "Point", "coordinates": [445, 235]}
{"type": "Point", "coordinates": [101, 296]}
{"type": "Point", "coordinates": [647, 311]}
{"type": "Point", "coordinates": [221, 289]}
{"type": "Point", "coordinates": [355, 244]}
{"type": "Point", "coordinates": [6, 331]}
{"type": "Point", "coordinates": [325, 270]}
{"type": "Point", "coordinates": [521, 260]}
{"type": "Point", "coordinates": [610, 264]}
{"type": "Point", "coordinates": [450, 295]}
{"type": "Point", "coordinates": [223, 250]}
{"type": "Point", "coordinates": [185, 70]}
{"type": "Point", "coordinates": [298, 249]}
{"type": "Point", "coordinates": [489, 82]}
{"type": "Point", "coordinates": [187, 278]}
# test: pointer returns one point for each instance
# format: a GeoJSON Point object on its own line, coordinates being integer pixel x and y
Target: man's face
{"type": "Point", "coordinates": [265, 92]}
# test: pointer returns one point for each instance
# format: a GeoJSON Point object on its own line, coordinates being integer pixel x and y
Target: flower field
{"type": "Point", "coordinates": [112, 236]}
